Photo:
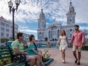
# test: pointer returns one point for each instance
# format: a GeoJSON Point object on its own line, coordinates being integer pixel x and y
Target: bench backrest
{"type": "Point", "coordinates": [4, 53]}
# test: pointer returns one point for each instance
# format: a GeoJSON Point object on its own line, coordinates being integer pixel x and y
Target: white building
{"type": "Point", "coordinates": [26, 37]}
{"type": "Point", "coordinates": [53, 30]}
{"type": "Point", "coordinates": [6, 28]}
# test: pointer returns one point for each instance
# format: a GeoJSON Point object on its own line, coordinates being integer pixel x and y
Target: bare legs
{"type": "Point", "coordinates": [63, 55]}
{"type": "Point", "coordinates": [38, 60]}
{"type": "Point", "coordinates": [31, 59]}
{"type": "Point", "coordinates": [79, 55]}
{"type": "Point", "coordinates": [40, 52]}
{"type": "Point", "coordinates": [74, 53]}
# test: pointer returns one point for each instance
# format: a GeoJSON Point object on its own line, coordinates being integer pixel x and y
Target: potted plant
{"type": "Point", "coordinates": [46, 58]}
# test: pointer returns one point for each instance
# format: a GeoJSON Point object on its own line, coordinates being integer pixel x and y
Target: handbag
{"type": "Point", "coordinates": [19, 58]}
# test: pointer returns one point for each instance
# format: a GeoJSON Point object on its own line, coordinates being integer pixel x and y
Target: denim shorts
{"type": "Point", "coordinates": [27, 56]}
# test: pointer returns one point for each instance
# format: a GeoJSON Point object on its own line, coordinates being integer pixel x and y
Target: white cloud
{"type": "Point", "coordinates": [82, 27]}
{"type": "Point", "coordinates": [21, 27]}
{"type": "Point", "coordinates": [28, 31]}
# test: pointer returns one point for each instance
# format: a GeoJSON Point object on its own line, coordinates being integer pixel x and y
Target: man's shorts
{"type": "Point", "coordinates": [77, 48]}
{"type": "Point", "coordinates": [27, 56]}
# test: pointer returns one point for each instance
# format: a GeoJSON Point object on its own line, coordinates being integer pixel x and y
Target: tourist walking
{"type": "Point", "coordinates": [63, 40]}
{"type": "Point", "coordinates": [78, 41]}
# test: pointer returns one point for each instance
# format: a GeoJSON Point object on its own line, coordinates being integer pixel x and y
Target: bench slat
{"type": "Point", "coordinates": [3, 47]}
{"type": "Point", "coordinates": [16, 64]}
{"type": "Point", "coordinates": [1, 58]}
{"type": "Point", "coordinates": [4, 53]}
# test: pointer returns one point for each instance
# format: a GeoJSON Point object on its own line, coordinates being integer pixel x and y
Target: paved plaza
{"type": "Point", "coordinates": [56, 54]}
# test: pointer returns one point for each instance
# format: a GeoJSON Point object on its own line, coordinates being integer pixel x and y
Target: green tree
{"type": "Point", "coordinates": [4, 40]}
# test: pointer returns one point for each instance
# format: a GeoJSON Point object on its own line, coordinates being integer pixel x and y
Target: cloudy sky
{"type": "Point", "coordinates": [29, 10]}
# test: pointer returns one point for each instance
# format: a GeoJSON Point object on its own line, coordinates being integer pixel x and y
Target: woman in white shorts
{"type": "Point", "coordinates": [63, 41]}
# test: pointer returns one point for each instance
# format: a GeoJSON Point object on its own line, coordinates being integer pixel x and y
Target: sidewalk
{"type": "Point", "coordinates": [56, 54]}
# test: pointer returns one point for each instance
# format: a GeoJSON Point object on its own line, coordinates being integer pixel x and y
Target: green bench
{"type": "Point", "coordinates": [6, 53]}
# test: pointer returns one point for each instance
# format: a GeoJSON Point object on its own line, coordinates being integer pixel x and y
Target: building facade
{"type": "Point", "coordinates": [6, 28]}
{"type": "Point", "coordinates": [53, 30]}
{"type": "Point", "coordinates": [26, 37]}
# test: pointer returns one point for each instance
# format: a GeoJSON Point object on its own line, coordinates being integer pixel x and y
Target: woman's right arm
{"type": "Point", "coordinates": [34, 51]}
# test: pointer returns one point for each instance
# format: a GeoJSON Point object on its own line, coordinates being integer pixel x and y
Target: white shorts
{"type": "Point", "coordinates": [27, 56]}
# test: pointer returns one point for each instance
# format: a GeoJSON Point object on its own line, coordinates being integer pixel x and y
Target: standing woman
{"type": "Point", "coordinates": [63, 43]}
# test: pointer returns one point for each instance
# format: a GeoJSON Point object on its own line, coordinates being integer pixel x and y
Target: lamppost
{"type": "Point", "coordinates": [12, 9]}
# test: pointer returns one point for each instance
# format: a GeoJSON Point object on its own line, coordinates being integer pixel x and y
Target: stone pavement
{"type": "Point", "coordinates": [56, 54]}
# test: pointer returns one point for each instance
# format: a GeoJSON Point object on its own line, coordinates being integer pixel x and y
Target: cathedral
{"type": "Point", "coordinates": [52, 32]}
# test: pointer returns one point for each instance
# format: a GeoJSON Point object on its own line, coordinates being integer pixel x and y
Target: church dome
{"type": "Point", "coordinates": [41, 16]}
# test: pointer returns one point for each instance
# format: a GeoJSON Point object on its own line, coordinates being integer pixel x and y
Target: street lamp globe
{"type": "Point", "coordinates": [10, 4]}
{"type": "Point", "coordinates": [17, 2]}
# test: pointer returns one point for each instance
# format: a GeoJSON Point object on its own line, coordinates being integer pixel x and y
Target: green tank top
{"type": "Point", "coordinates": [30, 47]}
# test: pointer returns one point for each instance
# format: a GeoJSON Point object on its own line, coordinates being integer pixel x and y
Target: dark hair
{"type": "Point", "coordinates": [30, 39]}
{"type": "Point", "coordinates": [76, 26]}
{"type": "Point", "coordinates": [19, 35]}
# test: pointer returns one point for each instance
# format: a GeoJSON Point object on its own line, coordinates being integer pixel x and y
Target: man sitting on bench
{"type": "Point", "coordinates": [18, 48]}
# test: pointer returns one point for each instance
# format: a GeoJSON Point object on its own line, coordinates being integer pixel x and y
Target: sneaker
{"type": "Point", "coordinates": [75, 61]}
{"type": "Point", "coordinates": [63, 61]}
{"type": "Point", "coordinates": [78, 63]}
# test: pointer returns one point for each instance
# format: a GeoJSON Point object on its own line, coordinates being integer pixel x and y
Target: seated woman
{"type": "Point", "coordinates": [33, 51]}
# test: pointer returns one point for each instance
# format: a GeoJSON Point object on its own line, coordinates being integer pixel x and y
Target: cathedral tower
{"type": "Point", "coordinates": [71, 15]}
{"type": "Point", "coordinates": [41, 20]}
{"type": "Point", "coordinates": [41, 25]}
